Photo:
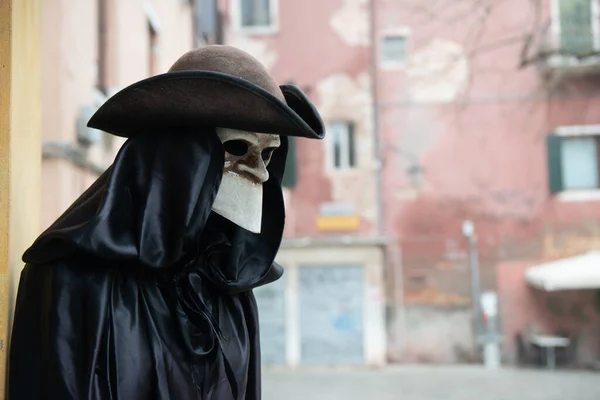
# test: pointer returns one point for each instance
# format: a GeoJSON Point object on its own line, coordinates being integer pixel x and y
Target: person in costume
{"type": "Point", "coordinates": [142, 289]}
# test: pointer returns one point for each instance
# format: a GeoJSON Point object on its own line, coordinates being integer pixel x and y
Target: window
{"type": "Point", "coordinates": [580, 162]}
{"type": "Point", "coordinates": [256, 13]}
{"type": "Point", "coordinates": [573, 162]}
{"type": "Point", "coordinates": [341, 145]}
{"type": "Point", "coordinates": [578, 25]}
{"type": "Point", "coordinates": [393, 50]}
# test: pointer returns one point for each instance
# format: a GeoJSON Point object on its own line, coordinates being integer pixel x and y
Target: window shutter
{"type": "Point", "coordinates": [290, 174]}
{"type": "Point", "coordinates": [351, 146]}
{"type": "Point", "coordinates": [576, 32]}
{"type": "Point", "coordinates": [555, 178]}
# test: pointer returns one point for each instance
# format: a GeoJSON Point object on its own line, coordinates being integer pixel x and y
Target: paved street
{"type": "Point", "coordinates": [431, 383]}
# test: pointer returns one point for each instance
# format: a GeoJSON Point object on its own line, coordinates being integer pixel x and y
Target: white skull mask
{"type": "Point", "coordinates": [247, 156]}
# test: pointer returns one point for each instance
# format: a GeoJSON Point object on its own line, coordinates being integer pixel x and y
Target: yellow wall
{"type": "Point", "coordinates": [20, 150]}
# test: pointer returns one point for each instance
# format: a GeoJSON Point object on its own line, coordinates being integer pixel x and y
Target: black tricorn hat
{"type": "Point", "coordinates": [212, 86]}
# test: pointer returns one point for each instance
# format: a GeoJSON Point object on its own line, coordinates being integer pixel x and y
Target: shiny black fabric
{"type": "Point", "coordinates": [138, 291]}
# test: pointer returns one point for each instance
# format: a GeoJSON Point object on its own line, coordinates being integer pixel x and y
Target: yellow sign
{"type": "Point", "coordinates": [337, 222]}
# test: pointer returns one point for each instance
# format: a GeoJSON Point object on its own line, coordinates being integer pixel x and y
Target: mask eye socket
{"type": "Point", "coordinates": [236, 147]}
{"type": "Point", "coordinates": [267, 153]}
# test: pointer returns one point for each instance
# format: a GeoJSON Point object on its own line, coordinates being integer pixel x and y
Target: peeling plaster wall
{"type": "Point", "coordinates": [463, 137]}
{"type": "Point", "coordinates": [477, 127]}
{"type": "Point", "coordinates": [350, 22]}
{"type": "Point", "coordinates": [344, 98]}
{"type": "Point", "coordinates": [476, 124]}
{"type": "Point", "coordinates": [326, 54]}
{"type": "Point", "coordinates": [436, 335]}
{"type": "Point", "coordinates": [437, 72]}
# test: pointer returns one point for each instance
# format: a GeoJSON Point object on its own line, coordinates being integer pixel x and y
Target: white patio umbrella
{"type": "Point", "coordinates": [579, 272]}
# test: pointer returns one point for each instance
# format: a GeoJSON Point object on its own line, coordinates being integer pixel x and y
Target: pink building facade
{"type": "Point", "coordinates": [436, 116]}
{"type": "Point", "coordinates": [491, 119]}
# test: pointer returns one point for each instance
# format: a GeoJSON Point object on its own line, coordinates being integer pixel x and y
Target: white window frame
{"type": "Point", "coordinates": [575, 195]}
{"type": "Point", "coordinates": [577, 130]}
{"type": "Point", "coordinates": [344, 147]}
{"type": "Point", "coordinates": [404, 32]}
{"type": "Point", "coordinates": [555, 22]}
{"type": "Point", "coordinates": [271, 29]}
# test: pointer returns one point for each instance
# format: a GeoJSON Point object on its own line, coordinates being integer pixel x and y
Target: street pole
{"type": "Point", "coordinates": [469, 233]}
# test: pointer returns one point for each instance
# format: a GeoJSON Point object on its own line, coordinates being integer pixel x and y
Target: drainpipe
{"type": "Point", "coordinates": [392, 254]}
{"type": "Point", "coordinates": [376, 133]}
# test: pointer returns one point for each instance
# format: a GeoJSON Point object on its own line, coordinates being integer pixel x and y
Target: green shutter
{"type": "Point", "coordinates": [290, 174]}
{"type": "Point", "coordinates": [555, 181]}
{"type": "Point", "coordinates": [351, 146]}
{"type": "Point", "coordinates": [576, 32]}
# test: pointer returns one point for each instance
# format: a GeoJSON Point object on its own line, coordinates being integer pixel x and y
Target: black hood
{"type": "Point", "coordinates": [153, 205]}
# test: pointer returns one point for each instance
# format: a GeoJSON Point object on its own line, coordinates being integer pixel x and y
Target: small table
{"type": "Point", "coordinates": [550, 343]}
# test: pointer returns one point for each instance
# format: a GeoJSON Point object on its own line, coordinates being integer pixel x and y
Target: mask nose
{"type": "Point", "coordinates": [258, 172]}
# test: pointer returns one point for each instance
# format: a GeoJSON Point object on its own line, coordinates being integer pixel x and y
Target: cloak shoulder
{"type": "Point", "coordinates": [149, 206]}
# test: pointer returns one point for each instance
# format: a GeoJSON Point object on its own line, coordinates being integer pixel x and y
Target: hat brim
{"type": "Point", "coordinates": [186, 99]}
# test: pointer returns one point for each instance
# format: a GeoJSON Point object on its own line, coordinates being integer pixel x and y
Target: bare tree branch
{"type": "Point", "coordinates": [509, 41]}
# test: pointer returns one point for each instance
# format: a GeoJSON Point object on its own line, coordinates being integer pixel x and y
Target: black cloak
{"type": "Point", "coordinates": [139, 291]}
